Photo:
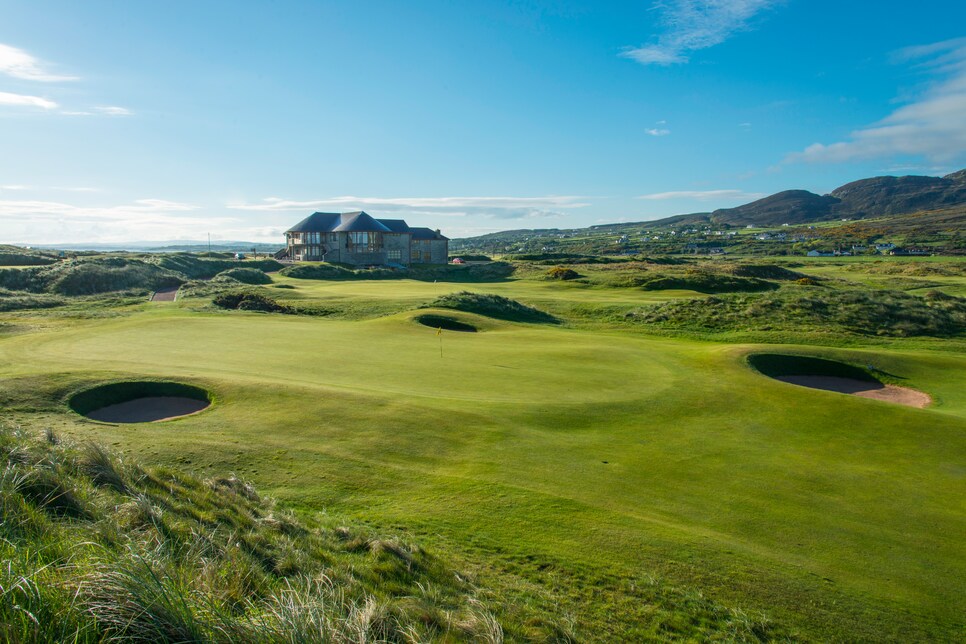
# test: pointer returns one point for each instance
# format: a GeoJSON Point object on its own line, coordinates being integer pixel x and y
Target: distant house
{"type": "Point", "coordinates": [819, 253]}
{"type": "Point", "coordinates": [359, 239]}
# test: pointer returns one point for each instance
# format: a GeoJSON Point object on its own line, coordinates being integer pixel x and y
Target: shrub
{"type": "Point", "coordinates": [249, 302]}
{"type": "Point", "coordinates": [805, 281]}
{"type": "Point", "coordinates": [562, 273]}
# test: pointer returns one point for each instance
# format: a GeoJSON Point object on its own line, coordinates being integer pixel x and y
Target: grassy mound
{"type": "Point", "coordinates": [245, 276]}
{"type": "Point", "coordinates": [885, 313]}
{"type": "Point", "coordinates": [766, 271]}
{"type": "Point", "coordinates": [443, 322]}
{"type": "Point", "coordinates": [247, 301]}
{"type": "Point", "coordinates": [193, 266]}
{"type": "Point", "coordinates": [471, 273]}
{"type": "Point", "coordinates": [113, 393]}
{"type": "Point", "coordinates": [493, 306]}
{"type": "Point", "coordinates": [16, 256]}
{"type": "Point", "coordinates": [98, 549]}
{"type": "Point", "coordinates": [775, 365]}
{"type": "Point", "coordinates": [90, 276]}
{"type": "Point", "coordinates": [707, 283]}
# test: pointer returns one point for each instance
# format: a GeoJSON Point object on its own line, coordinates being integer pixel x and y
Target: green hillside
{"type": "Point", "coordinates": [610, 476]}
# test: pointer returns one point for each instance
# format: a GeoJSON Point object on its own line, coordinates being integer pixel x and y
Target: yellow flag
{"type": "Point", "coordinates": [439, 331]}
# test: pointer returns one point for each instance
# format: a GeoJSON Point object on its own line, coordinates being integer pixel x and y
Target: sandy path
{"type": "Point", "coordinates": [165, 294]}
{"type": "Point", "coordinates": [148, 410]}
{"type": "Point", "coordinates": [874, 390]}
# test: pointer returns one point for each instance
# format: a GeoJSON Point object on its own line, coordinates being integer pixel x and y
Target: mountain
{"type": "Point", "coordinates": [788, 207]}
{"type": "Point", "coordinates": [863, 199]}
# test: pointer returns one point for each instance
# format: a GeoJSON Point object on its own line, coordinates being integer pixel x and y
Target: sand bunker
{"type": "Point", "coordinates": [830, 375]}
{"type": "Point", "coordinates": [445, 323]}
{"type": "Point", "coordinates": [140, 401]}
{"type": "Point", "coordinates": [148, 410]}
{"type": "Point", "coordinates": [874, 390]}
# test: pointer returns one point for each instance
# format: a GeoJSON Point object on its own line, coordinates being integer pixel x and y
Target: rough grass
{"type": "Point", "coordinates": [472, 273]}
{"type": "Point", "coordinates": [97, 549]}
{"type": "Point", "coordinates": [882, 313]}
{"type": "Point", "coordinates": [494, 306]}
{"type": "Point", "coordinates": [245, 276]}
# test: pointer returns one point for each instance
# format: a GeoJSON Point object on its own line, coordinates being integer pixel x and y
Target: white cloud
{"type": "Point", "coordinates": [658, 131]}
{"type": "Point", "coordinates": [495, 207]}
{"type": "Point", "coordinates": [19, 64]}
{"type": "Point", "coordinates": [704, 195]}
{"type": "Point", "coordinates": [23, 100]}
{"type": "Point", "coordinates": [15, 187]}
{"type": "Point", "coordinates": [37, 221]}
{"type": "Point", "coordinates": [692, 25]}
{"type": "Point", "coordinates": [933, 126]}
{"type": "Point", "coordinates": [113, 110]}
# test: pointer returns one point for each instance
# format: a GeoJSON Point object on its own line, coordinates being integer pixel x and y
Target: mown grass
{"type": "Point", "coordinates": [590, 474]}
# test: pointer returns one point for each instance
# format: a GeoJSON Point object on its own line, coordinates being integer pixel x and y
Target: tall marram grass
{"type": "Point", "coordinates": [98, 549]}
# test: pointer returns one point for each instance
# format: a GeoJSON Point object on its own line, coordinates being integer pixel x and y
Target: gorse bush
{"type": "Point", "coordinates": [97, 549]}
{"type": "Point", "coordinates": [562, 273]}
{"type": "Point", "coordinates": [494, 306]}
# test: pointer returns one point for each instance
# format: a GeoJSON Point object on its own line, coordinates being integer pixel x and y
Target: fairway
{"type": "Point", "coordinates": [585, 459]}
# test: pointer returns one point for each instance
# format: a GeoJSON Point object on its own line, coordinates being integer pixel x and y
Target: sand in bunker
{"type": "Point", "coordinates": [874, 390]}
{"type": "Point", "coordinates": [146, 410]}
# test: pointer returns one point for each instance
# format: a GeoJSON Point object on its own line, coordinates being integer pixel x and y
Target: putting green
{"type": "Point", "coordinates": [613, 456]}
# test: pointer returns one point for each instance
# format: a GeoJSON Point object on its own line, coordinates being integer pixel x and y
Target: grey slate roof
{"type": "Point", "coordinates": [332, 222]}
{"type": "Point", "coordinates": [426, 233]}
{"type": "Point", "coordinates": [353, 222]}
{"type": "Point", "coordinates": [395, 225]}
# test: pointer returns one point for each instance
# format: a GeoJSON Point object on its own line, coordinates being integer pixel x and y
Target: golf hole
{"type": "Point", "coordinates": [829, 375]}
{"type": "Point", "coordinates": [139, 401]}
{"type": "Point", "coordinates": [443, 322]}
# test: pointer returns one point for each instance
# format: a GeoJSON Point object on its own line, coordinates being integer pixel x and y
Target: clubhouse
{"type": "Point", "coordinates": [359, 239]}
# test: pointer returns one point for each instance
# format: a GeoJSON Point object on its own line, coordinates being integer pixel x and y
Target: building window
{"type": "Point", "coordinates": [364, 242]}
{"type": "Point", "coordinates": [394, 254]}
{"type": "Point", "coordinates": [415, 255]}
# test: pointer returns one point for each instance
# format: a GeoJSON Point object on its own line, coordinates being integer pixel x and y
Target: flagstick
{"type": "Point", "coordinates": [440, 345]}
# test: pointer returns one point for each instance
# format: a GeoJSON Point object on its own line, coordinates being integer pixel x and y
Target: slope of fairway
{"type": "Point", "coordinates": [589, 461]}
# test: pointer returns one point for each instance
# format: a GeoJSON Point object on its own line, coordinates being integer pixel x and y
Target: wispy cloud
{"type": "Point", "coordinates": [692, 25]}
{"type": "Point", "coordinates": [495, 207]}
{"type": "Point", "coordinates": [933, 126]}
{"type": "Point", "coordinates": [113, 110]}
{"type": "Point", "coordinates": [39, 221]}
{"type": "Point", "coordinates": [658, 131]}
{"type": "Point", "coordinates": [705, 195]}
{"type": "Point", "coordinates": [23, 100]}
{"type": "Point", "coordinates": [19, 64]}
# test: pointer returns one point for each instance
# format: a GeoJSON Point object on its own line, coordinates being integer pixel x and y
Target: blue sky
{"type": "Point", "coordinates": [170, 120]}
